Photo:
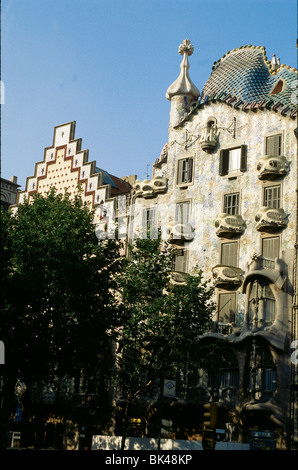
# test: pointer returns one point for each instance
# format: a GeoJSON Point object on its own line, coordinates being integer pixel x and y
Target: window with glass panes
{"type": "Point", "coordinates": [274, 145]}
{"type": "Point", "coordinates": [231, 203]}
{"type": "Point", "coordinates": [149, 221]}
{"type": "Point", "coordinates": [233, 160]}
{"type": "Point", "coordinates": [269, 305]}
{"type": "Point", "coordinates": [229, 254]}
{"type": "Point", "coordinates": [185, 170]}
{"type": "Point", "coordinates": [272, 196]}
{"type": "Point", "coordinates": [180, 260]}
{"type": "Point", "coordinates": [182, 212]}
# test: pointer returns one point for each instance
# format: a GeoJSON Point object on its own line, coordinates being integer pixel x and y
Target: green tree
{"type": "Point", "coordinates": [58, 307]}
{"type": "Point", "coordinates": [161, 322]}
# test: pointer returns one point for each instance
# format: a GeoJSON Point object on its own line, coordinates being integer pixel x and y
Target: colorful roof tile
{"type": "Point", "coordinates": [244, 78]}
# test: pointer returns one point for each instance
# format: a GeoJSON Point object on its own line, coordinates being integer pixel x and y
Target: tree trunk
{"type": "Point", "coordinates": [7, 402]}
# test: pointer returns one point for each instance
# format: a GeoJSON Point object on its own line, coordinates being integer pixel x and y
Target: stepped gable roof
{"type": "Point", "coordinates": [245, 79]}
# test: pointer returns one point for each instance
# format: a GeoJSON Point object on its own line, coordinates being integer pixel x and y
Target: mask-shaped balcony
{"type": "Point", "coordinates": [180, 233]}
{"type": "Point", "coordinates": [229, 225]}
{"type": "Point", "coordinates": [149, 188]}
{"type": "Point", "coordinates": [227, 277]}
{"type": "Point", "coordinates": [271, 220]}
{"type": "Point", "coordinates": [273, 167]}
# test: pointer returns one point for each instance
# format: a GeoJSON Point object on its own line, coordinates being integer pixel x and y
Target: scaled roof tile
{"type": "Point", "coordinates": [246, 74]}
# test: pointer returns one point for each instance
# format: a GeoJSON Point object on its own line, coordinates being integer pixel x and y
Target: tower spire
{"type": "Point", "coordinates": [183, 85]}
{"type": "Point", "coordinates": [182, 92]}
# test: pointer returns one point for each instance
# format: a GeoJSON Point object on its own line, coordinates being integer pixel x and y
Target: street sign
{"type": "Point", "coordinates": [262, 440]}
{"type": "Point", "coordinates": [169, 388]}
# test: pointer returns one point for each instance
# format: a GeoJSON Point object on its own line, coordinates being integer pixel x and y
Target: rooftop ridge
{"type": "Point", "coordinates": [265, 59]}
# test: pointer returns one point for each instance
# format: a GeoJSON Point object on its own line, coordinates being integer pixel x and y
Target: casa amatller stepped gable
{"type": "Point", "coordinates": [224, 192]}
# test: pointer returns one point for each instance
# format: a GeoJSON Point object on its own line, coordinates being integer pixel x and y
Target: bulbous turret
{"type": "Point", "coordinates": [182, 92]}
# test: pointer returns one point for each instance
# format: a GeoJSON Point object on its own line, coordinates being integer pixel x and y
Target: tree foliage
{"type": "Point", "coordinates": [58, 282]}
{"type": "Point", "coordinates": [162, 321]}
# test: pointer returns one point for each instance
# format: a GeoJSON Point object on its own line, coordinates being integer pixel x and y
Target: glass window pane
{"type": "Point", "coordinates": [272, 197]}
{"type": "Point", "coordinates": [231, 203]}
{"type": "Point", "coordinates": [234, 159]}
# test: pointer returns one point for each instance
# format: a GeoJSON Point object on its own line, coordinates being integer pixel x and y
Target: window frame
{"type": "Point", "coordinates": [270, 136]}
{"type": "Point", "coordinates": [148, 227]}
{"type": "Point", "coordinates": [232, 296]}
{"type": "Point", "coordinates": [224, 161]}
{"type": "Point", "coordinates": [225, 206]}
{"type": "Point", "coordinates": [181, 203]}
{"type": "Point", "coordinates": [190, 178]}
{"type": "Point", "coordinates": [185, 261]}
{"type": "Point", "coordinates": [224, 244]}
{"type": "Point", "coordinates": [264, 239]}
{"type": "Point", "coordinates": [271, 186]}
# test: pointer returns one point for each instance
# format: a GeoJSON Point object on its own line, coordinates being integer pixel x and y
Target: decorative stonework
{"type": "Point", "coordinates": [150, 188]}
{"type": "Point", "coordinates": [186, 48]}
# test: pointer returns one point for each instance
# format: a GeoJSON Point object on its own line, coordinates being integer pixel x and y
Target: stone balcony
{"type": "Point", "coordinates": [149, 188]}
{"type": "Point", "coordinates": [180, 233]}
{"type": "Point", "coordinates": [227, 277]}
{"type": "Point", "coordinates": [272, 167]}
{"type": "Point", "coordinates": [229, 225]}
{"type": "Point", "coordinates": [271, 220]}
{"type": "Point", "coordinates": [208, 140]}
{"type": "Point", "coordinates": [178, 278]}
{"type": "Point", "coordinates": [208, 144]}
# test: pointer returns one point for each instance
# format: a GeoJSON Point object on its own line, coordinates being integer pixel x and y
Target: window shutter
{"type": "Point", "coordinates": [180, 172]}
{"type": "Point", "coordinates": [223, 162]}
{"type": "Point", "coordinates": [243, 162]}
{"type": "Point", "coordinates": [180, 261]}
{"type": "Point", "coordinates": [182, 212]}
{"type": "Point", "coordinates": [184, 261]}
{"type": "Point", "coordinates": [229, 254]}
{"type": "Point", "coordinates": [189, 173]}
{"type": "Point", "coordinates": [270, 248]}
{"type": "Point", "coordinates": [226, 308]}
{"type": "Point", "coordinates": [273, 145]}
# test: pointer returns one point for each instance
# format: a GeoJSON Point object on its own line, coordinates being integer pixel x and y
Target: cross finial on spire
{"type": "Point", "coordinates": [186, 48]}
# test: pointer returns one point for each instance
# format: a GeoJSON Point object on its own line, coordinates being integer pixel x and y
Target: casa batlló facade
{"type": "Point", "coordinates": [224, 193]}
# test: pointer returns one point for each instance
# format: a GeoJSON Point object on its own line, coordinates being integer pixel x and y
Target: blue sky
{"type": "Point", "coordinates": [107, 64]}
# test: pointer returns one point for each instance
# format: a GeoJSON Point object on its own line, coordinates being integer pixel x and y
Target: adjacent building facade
{"type": "Point", "coordinates": [224, 193]}
{"type": "Point", "coordinates": [9, 192]}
